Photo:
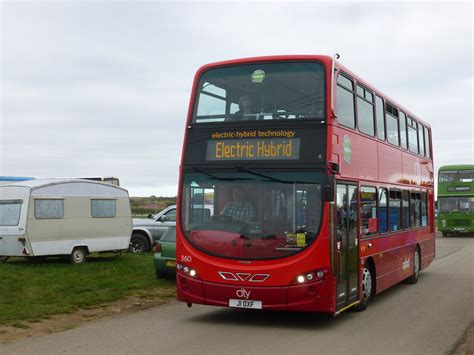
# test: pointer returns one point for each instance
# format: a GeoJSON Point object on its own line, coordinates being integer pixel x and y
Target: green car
{"type": "Point", "coordinates": [165, 254]}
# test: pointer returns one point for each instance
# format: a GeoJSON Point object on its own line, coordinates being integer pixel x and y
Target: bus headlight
{"type": "Point", "coordinates": [300, 279]}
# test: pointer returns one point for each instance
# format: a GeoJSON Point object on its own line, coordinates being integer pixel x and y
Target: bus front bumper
{"type": "Point", "coordinates": [309, 297]}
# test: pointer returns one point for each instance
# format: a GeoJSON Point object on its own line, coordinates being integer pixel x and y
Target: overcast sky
{"type": "Point", "coordinates": [102, 88]}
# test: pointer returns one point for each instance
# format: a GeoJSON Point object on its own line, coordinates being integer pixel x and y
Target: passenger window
{"type": "Point", "coordinates": [365, 111]}
{"type": "Point", "coordinates": [405, 209]}
{"type": "Point", "coordinates": [101, 208]}
{"type": "Point", "coordinates": [427, 143]}
{"type": "Point", "coordinates": [380, 118]}
{"type": "Point", "coordinates": [421, 139]}
{"type": "Point", "coordinates": [394, 214]}
{"type": "Point", "coordinates": [383, 220]}
{"type": "Point", "coordinates": [413, 136]}
{"type": "Point", "coordinates": [368, 211]}
{"type": "Point", "coordinates": [424, 209]}
{"type": "Point", "coordinates": [415, 216]}
{"type": "Point", "coordinates": [345, 102]}
{"type": "Point", "coordinates": [49, 209]}
{"type": "Point", "coordinates": [403, 130]}
{"type": "Point", "coordinates": [392, 129]}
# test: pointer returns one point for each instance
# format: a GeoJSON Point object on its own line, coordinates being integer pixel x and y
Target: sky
{"type": "Point", "coordinates": [102, 88]}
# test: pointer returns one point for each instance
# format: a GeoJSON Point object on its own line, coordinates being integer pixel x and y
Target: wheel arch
{"type": "Point", "coordinates": [145, 232]}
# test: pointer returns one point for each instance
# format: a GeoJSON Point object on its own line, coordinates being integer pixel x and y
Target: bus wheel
{"type": "Point", "coordinates": [367, 286]}
{"type": "Point", "coordinates": [78, 256]}
{"type": "Point", "coordinates": [413, 279]}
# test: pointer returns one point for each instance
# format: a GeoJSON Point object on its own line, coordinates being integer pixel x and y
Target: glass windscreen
{"type": "Point", "coordinates": [448, 176]}
{"type": "Point", "coordinates": [251, 215]}
{"type": "Point", "coordinates": [10, 212]}
{"type": "Point", "coordinates": [262, 91]}
{"type": "Point", "coordinates": [456, 204]}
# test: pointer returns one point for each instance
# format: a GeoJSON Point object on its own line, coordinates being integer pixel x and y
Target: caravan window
{"type": "Point", "coordinates": [103, 208]}
{"type": "Point", "coordinates": [49, 209]}
{"type": "Point", "coordinates": [10, 212]}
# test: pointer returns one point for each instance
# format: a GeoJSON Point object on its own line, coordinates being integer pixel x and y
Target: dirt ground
{"type": "Point", "coordinates": [465, 345]}
{"type": "Point", "coordinates": [64, 322]}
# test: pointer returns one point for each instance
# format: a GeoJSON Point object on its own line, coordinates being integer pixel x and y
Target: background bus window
{"type": "Point", "coordinates": [383, 220]}
{"type": "Point", "coordinates": [368, 211]}
{"type": "Point", "coordinates": [448, 176]}
{"type": "Point", "coordinates": [466, 175]}
{"type": "Point", "coordinates": [380, 118]}
{"type": "Point", "coordinates": [345, 102]}
{"type": "Point", "coordinates": [394, 215]}
{"type": "Point", "coordinates": [424, 210]}
{"type": "Point", "coordinates": [405, 209]}
{"type": "Point", "coordinates": [403, 130]}
{"type": "Point", "coordinates": [365, 111]}
{"type": "Point", "coordinates": [415, 216]}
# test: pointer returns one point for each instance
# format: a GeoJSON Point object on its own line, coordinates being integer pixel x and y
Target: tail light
{"type": "Point", "coordinates": [158, 248]}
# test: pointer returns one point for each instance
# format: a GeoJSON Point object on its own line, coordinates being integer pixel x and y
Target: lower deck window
{"type": "Point", "coordinates": [415, 216]}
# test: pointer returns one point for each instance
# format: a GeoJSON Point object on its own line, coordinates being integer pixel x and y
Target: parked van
{"type": "Point", "coordinates": [73, 217]}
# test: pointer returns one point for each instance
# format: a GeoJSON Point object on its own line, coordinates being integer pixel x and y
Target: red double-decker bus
{"type": "Point", "coordinates": [302, 188]}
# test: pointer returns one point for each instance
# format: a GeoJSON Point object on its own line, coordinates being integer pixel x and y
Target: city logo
{"type": "Point", "coordinates": [243, 293]}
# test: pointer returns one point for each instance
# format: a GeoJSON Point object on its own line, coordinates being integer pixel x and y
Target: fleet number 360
{"type": "Point", "coordinates": [186, 258]}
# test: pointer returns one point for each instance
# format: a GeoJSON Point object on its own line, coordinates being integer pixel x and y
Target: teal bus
{"type": "Point", "coordinates": [456, 199]}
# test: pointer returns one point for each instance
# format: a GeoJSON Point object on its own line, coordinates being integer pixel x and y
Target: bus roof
{"type": "Point", "coordinates": [457, 167]}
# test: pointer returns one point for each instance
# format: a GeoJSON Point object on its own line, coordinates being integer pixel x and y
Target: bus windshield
{"type": "Point", "coordinates": [263, 91]}
{"type": "Point", "coordinates": [456, 204]}
{"type": "Point", "coordinates": [249, 214]}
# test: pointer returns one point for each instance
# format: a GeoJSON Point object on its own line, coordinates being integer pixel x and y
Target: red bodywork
{"type": "Point", "coordinates": [373, 162]}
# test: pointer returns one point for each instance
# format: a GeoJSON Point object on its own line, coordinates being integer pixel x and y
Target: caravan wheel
{"type": "Point", "coordinates": [78, 256]}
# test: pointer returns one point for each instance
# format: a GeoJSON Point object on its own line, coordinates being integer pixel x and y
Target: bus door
{"type": "Point", "coordinates": [346, 245]}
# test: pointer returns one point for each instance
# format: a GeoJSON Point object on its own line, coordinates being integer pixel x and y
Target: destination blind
{"type": "Point", "coordinates": [282, 145]}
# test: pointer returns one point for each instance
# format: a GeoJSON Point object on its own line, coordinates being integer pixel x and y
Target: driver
{"type": "Point", "coordinates": [239, 209]}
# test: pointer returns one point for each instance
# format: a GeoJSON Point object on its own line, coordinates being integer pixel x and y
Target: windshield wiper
{"type": "Point", "coordinates": [241, 168]}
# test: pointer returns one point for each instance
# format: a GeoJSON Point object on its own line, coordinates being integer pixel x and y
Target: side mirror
{"type": "Point", "coordinates": [328, 188]}
{"type": "Point", "coordinates": [163, 218]}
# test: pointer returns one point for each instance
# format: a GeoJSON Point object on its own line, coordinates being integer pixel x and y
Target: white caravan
{"type": "Point", "coordinates": [71, 217]}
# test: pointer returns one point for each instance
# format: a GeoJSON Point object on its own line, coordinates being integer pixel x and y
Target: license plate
{"type": "Point", "coordinates": [245, 304]}
{"type": "Point", "coordinates": [171, 263]}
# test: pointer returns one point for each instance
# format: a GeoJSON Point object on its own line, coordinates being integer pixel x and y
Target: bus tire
{"type": "Point", "coordinates": [368, 288]}
{"type": "Point", "coordinates": [413, 279]}
{"type": "Point", "coordinates": [139, 244]}
{"type": "Point", "coordinates": [78, 255]}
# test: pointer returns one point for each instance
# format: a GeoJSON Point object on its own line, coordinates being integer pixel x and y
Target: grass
{"type": "Point", "coordinates": [34, 291]}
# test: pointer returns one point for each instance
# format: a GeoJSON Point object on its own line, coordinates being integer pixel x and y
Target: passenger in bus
{"type": "Point", "coordinates": [246, 110]}
{"type": "Point", "coordinates": [239, 209]}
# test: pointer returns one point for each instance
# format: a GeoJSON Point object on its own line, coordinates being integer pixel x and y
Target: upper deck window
{"type": "Point", "coordinates": [345, 102]}
{"type": "Point", "coordinates": [392, 124]}
{"type": "Point", "coordinates": [365, 111]}
{"type": "Point", "coordinates": [261, 91]}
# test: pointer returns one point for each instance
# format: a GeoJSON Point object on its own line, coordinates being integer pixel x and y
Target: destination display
{"type": "Point", "coordinates": [458, 188]}
{"type": "Point", "coordinates": [285, 145]}
{"type": "Point", "coordinates": [253, 149]}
